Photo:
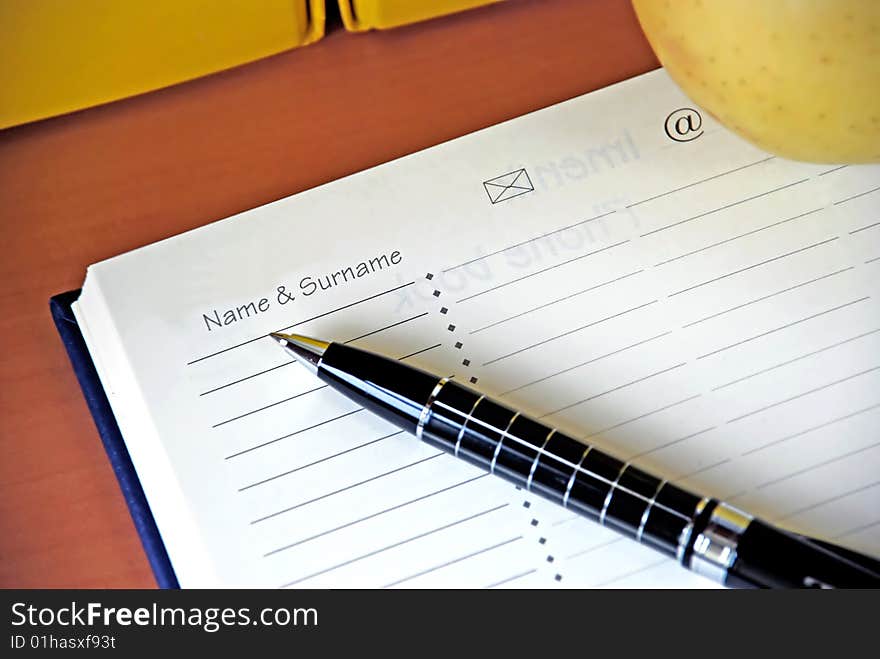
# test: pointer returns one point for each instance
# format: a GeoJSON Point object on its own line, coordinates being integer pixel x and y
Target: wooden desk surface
{"type": "Point", "coordinates": [80, 188]}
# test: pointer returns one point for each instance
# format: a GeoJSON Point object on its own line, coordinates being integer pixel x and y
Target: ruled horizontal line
{"type": "Point", "coordinates": [795, 359]}
{"type": "Point", "coordinates": [290, 398]}
{"type": "Point", "coordinates": [865, 228]}
{"type": "Point", "coordinates": [543, 270]}
{"type": "Point", "coordinates": [858, 529]}
{"type": "Point", "coordinates": [644, 415]}
{"type": "Point", "coordinates": [755, 265]}
{"type": "Point", "coordinates": [613, 389]}
{"type": "Point", "coordinates": [512, 578]}
{"type": "Point", "coordinates": [806, 431]}
{"type": "Point", "coordinates": [786, 326]}
{"type": "Point", "coordinates": [690, 185]}
{"type": "Point", "coordinates": [393, 546]}
{"type": "Point", "coordinates": [621, 577]}
{"type": "Point", "coordinates": [557, 300]}
{"type": "Point", "coordinates": [387, 327]}
{"type": "Point", "coordinates": [266, 407]}
{"type": "Point", "coordinates": [672, 443]}
{"type": "Point", "coordinates": [825, 502]}
{"type": "Point", "coordinates": [702, 469]}
{"type": "Point", "coordinates": [725, 207]}
{"type": "Point", "coordinates": [346, 488]}
{"type": "Point", "coordinates": [325, 459]}
{"type": "Point", "coordinates": [800, 472]}
{"type": "Point", "coordinates": [594, 547]}
{"type": "Point", "coordinates": [373, 515]}
{"type": "Point", "coordinates": [301, 322]}
{"type": "Point", "coordinates": [569, 332]}
{"type": "Point", "coordinates": [248, 377]}
{"type": "Point", "coordinates": [767, 297]}
{"type": "Point", "coordinates": [805, 393]}
{"type": "Point", "coordinates": [297, 432]}
{"type": "Point", "coordinates": [856, 196]}
{"type": "Point", "coordinates": [452, 562]}
{"type": "Point", "coordinates": [829, 171]}
{"type": "Point", "coordinates": [589, 361]}
{"type": "Point", "coordinates": [742, 235]}
{"type": "Point", "coordinates": [530, 240]}
{"type": "Point", "coordinates": [419, 352]}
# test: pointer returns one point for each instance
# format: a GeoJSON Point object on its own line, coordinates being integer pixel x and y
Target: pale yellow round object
{"type": "Point", "coordinates": [798, 78]}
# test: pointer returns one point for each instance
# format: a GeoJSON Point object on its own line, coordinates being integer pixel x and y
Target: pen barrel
{"type": "Point", "coordinates": [707, 536]}
{"type": "Point", "coordinates": [558, 467]}
{"type": "Point", "coordinates": [768, 557]}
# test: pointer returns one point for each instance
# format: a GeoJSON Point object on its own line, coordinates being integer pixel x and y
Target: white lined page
{"type": "Point", "coordinates": [702, 308]}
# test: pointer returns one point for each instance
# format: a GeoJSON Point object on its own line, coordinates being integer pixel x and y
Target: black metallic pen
{"type": "Point", "coordinates": [704, 535]}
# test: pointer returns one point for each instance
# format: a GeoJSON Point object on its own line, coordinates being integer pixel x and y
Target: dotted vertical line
{"type": "Point", "coordinates": [458, 342]}
{"type": "Point", "coordinates": [539, 535]}
{"type": "Point", "coordinates": [536, 532]}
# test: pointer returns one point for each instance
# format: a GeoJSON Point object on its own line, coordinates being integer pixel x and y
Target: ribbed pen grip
{"type": "Point", "coordinates": [560, 468]}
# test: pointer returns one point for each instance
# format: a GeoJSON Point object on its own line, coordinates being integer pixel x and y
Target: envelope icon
{"type": "Point", "coordinates": [507, 186]}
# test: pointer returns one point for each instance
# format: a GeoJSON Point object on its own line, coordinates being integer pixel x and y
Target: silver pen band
{"type": "Point", "coordinates": [426, 410]}
{"type": "Point", "coordinates": [715, 546]}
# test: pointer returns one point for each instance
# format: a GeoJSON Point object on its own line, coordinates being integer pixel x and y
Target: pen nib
{"type": "Point", "coordinates": [281, 338]}
{"type": "Point", "coordinates": [304, 349]}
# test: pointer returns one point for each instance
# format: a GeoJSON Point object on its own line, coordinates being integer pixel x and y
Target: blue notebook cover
{"type": "Point", "coordinates": [99, 406]}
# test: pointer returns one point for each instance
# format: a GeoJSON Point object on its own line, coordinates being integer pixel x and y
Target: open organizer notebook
{"type": "Point", "coordinates": [619, 265]}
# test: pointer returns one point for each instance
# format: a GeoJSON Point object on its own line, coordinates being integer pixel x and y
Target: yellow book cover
{"type": "Point", "coordinates": [360, 15]}
{"type": "Point", "coordinates": [57, 56]}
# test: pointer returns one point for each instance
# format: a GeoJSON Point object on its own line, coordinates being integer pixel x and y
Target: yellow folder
{"type": "Point", "coordinates": [360, 15]}
{"type": "Point", "coordinates": [57, 56]}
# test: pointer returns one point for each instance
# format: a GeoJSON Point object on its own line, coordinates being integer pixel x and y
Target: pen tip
{"type": "Point", "coordinates": [278, 336]}
{"type": "Point", "coordinates": [305, 349]}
